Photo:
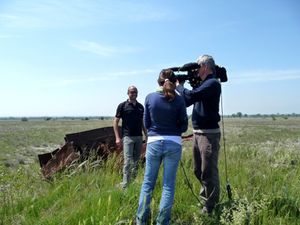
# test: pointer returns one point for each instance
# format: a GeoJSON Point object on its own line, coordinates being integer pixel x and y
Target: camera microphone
{"type": "Point", "coordinates": [189, 67]}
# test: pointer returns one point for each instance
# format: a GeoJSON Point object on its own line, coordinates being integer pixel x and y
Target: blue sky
{"type": "Point", "coordinates": [77, 57]}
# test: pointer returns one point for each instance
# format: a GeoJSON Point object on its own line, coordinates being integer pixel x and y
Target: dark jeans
{"type": "Point", "coordinates": [206, 151]}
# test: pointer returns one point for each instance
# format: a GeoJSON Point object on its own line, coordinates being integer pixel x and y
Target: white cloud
{"type": "Point", "coordinates": [264, 75]}
{"type": "Point", "coordinates": [133, 72]}
{"type": "Point", "coordinates": [107, 76]}
{"type": "Point", "coordinates": [103, 50]}
{"type": "Point", "coordinates": [70, 13]}
{"type": "Point", "coordinates": [8, 36]}
{"type": "Point", "coordinates": [242, 77]}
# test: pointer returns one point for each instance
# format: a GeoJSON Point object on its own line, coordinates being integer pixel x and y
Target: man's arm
{"type": "Point", "coordinates": [116, 130]}
{"type": "Point", "coordinates": [185, 93]}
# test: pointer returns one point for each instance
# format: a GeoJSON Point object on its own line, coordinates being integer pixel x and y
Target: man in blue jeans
{"type": "Point", "coordinates": [165, 119]}
{"type": "Point", "coordinates": [131, 112]}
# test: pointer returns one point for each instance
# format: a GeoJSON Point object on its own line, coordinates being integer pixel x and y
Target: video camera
{"type": "Point", "coordinates": [189, 71]}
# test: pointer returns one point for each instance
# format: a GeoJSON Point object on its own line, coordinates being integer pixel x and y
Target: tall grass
{"type": "Point", "coordinates": [263, 169]}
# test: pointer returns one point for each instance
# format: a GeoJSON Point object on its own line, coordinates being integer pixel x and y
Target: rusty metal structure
{"type": "Point", "coordinates": [80, 146]}
{"type": "Point", "coordinates": [101, 140]}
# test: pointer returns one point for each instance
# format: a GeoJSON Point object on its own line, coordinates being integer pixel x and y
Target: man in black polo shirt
{"type": "Point", "coordinates": [131, 112]}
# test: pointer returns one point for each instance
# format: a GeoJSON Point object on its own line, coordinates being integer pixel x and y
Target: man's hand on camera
{"type": "Point", "coordinates": [179, 83]}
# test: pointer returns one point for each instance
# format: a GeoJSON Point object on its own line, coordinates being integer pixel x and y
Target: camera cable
{"type": "Point", "coordinates": [188, 182]}
{"type": "Point", "coordinates": [228, 187]}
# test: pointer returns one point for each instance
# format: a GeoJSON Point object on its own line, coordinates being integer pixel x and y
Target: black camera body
{"type": "Point", "coordinates": [189, 72]}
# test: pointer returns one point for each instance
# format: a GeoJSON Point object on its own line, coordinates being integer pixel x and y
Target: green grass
{"type": "Point", "coordinates": [263, 163]}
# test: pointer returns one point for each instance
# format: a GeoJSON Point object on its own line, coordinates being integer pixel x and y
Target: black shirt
{"type": "Point", "coordinates": [132, 118]}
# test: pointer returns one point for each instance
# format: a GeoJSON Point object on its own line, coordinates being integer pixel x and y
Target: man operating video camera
{"type": "Point", "coordinates": [206, 138]}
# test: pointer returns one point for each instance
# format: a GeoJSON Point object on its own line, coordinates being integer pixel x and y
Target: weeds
{"type": "Point", "coordinates": [263, 170]}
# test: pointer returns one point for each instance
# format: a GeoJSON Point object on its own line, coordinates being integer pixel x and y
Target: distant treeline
{"type": "Point", "coordinates": [234, 115]}
{"type": "Point", "coordinates": [48, 118]}
{"type": "Point", "coordinates": [258, 115]}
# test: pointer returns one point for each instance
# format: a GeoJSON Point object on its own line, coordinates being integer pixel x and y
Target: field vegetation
{"type": "Point", "coordinates": [263, 166]}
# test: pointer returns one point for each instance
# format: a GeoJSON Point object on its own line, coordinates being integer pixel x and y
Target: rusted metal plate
{"type": "Point", "coordinates": [44, 158]}
{"type": "Point", "coordinates": [187, 137]}
{"type": "Point", "coordinates": [79, 146]}
{"type": "Point", "coordinates": [90, 136]}
{"type": "Point", "coordinates": [61, 159]}
{"type": "Point", "coordinates": [102, 140]}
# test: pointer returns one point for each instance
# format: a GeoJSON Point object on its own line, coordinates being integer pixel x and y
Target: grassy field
{"type": "Point", "coordinates": [263, 163]}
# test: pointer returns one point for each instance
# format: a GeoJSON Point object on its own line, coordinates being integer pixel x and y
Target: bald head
{"type": "Point", "coordinates": [132, 89]}
{"type": "Point", "coordinates": [132, 93]}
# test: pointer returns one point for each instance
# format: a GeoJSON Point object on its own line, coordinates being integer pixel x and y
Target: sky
{"type": "Point", "coordinates": [78, 57]}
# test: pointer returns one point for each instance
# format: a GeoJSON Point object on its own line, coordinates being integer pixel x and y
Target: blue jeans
{"type": "Point", "coordinates": [132, 147]}
{"type": "Point", "coordinates": [157, 152]}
